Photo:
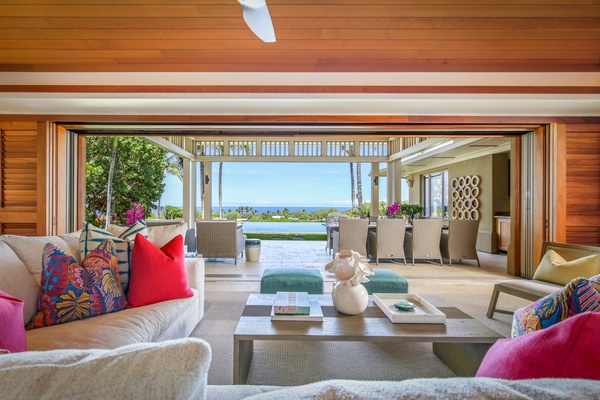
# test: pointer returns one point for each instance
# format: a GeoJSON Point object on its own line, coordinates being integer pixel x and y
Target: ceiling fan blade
{"type": "Point", "coordinates": [258, 19]}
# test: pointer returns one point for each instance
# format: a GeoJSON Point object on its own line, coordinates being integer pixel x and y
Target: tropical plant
{"type": "Point", "coordinates": [363, 210]}
{"type": "Point", "coordinates": [138, 174]}
{"type": "Point", "coordinates": [172, 212]}
{"type": "Point", "coordinates": [412, 210]}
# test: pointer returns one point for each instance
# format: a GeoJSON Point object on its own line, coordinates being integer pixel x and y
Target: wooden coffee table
{"type": "Point", "coordinates": [461, 342]}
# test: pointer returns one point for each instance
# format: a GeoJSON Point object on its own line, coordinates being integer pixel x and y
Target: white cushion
{"type": "Point", "coordinates": [161, 235]}
{"type": "Point", "coordinates": [174, 369]}
{"type": "Point", "coordinates": [555, 269]}
{"type": "Point", "coordinates": [17, 282]}
{"type": "Point", "coordinates": [29, 249]}
{"type": "Point", "coordinates": [92, 236]}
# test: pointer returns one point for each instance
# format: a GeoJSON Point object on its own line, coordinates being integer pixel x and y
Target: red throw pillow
{"type": "Point", "coordinates": [157, 274]}
{"type": "Point", "coordinates": [567, 349]}
{"type": "Point", "coordinates": [12, 327]}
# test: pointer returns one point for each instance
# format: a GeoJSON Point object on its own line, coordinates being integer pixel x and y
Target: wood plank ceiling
{"type": "Point", "coordinates": [312, 36]}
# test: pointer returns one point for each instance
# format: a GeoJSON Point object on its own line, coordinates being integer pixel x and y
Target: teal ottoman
{"type": "Point", "coordinates": [291, 279]}
{"type": "Point", "coordinates": [386, 281]}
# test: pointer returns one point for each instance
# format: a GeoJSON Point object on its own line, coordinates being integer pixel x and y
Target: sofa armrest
{"type": "Point", "coordinates": [195, 273]}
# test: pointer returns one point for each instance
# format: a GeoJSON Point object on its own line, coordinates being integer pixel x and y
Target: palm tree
{"type": "Point", "coordinates": [221, 190]}
{"type": "Point", "coordinates": [359, 195]}
{"type": "Point", "coordinates": [352, 185]}
{"type": "Point", "coordinates": [174, 165]}
{"type": "Point", "coordinates": [111, 172]}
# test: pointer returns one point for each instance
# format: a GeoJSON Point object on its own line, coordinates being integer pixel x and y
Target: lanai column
{"type": "Point", "coordinates": [207, 182]}
{"type": "Point", "coordinates": [189, 192]}
{"type": "Point", "coordinates": [374, 189]}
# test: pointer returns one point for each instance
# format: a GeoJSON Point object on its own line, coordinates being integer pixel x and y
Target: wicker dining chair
{"type": "Point", "coordinates": [423, 243]}
{"type": "Point", "coordinates": [351, 235]}
{"type": "Point", "coordinates": [388, 241]}
{"type": "Point", "coordinates": [459, 243]}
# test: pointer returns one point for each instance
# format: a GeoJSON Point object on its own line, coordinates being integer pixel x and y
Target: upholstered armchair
{"type": "Point", "coordinates": [219, 239]}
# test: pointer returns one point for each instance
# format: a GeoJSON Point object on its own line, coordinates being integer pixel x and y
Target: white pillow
{"type": "Point", "coordinates": [91, 237]}
{"type": "Point", "coordinates": [175, 369]}
{"type": "Point", "coordinates": [161, 235]}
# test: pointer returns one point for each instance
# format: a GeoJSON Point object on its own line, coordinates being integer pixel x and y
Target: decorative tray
{"type": "Point", "coordinates": [424, 312]}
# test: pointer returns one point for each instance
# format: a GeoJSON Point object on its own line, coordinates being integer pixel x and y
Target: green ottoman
{"type": "Point", "coordinates": [386, 281]}
{"type": "Point", "coordinates": [291, 280]}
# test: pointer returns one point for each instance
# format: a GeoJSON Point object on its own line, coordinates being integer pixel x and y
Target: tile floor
{"type": "Point", "coordinates": [427, 278]}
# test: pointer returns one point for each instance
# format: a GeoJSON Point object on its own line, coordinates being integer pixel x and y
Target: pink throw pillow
{"type": "Point", "coordinates": [157, 274]}
{"type": "Point", "coordinates": [12, 327]}
{"type": "Point", "coordinates": [568, 349]}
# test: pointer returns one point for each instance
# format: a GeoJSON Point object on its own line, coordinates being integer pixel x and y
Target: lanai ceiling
{"type": "Point", "coordinates": [387, 57]}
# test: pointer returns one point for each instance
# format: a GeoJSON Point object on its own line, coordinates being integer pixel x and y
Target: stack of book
{"type": "Point", "coordinates": [295, 306]}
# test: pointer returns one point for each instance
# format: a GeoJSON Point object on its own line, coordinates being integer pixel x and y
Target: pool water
{"type": "Point", "coordinates": [285, 227]}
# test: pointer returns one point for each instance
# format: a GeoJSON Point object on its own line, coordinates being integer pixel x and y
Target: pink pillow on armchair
{"type": "Point", "coordinates": [568, 349]}
{"type": "Point", "coordinates": [12, 327]}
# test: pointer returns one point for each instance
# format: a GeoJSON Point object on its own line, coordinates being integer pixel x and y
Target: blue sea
{"type": "Point", "coordinates": [274, 209]}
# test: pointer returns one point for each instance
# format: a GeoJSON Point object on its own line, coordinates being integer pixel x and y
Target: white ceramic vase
{"type": "Point", "coordinates": [350, 299]}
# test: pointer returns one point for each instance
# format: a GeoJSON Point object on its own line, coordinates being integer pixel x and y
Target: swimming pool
{"type": "Point", "coordinates": [285, 227]}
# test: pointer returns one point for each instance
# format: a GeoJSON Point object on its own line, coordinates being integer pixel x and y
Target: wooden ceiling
{"type": "Point", "coordinates": [312, 36]}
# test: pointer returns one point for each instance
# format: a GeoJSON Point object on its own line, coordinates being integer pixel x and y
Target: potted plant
{"type": "Point", "coordinates": [410, 211]}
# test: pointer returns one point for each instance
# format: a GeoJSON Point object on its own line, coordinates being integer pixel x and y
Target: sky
{"type": "Point", "coordinates": [281, 184]}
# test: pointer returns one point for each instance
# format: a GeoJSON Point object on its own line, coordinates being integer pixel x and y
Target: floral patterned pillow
{"type": "Point", "coordinates": [579, 296]}
{"type": "Point", "coordinates": [70, 291]}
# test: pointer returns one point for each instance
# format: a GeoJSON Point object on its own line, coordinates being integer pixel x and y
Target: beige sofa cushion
{"type": "Point", "coordinates": [152, 323]}
{"type": "Point", "coordinates": [169, 370]}
{"type": "Point", "coordinates": [159, 235]}
{"type": "Point", "coordinates": [30, 248]}
{"type": "Point", "coordinates": [17, 282]}
{"type": "Point", "coordinates": [555, 269]}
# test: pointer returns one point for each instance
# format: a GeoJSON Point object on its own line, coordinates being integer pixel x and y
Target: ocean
{"type": "Point", "coordinates": [274, 209]}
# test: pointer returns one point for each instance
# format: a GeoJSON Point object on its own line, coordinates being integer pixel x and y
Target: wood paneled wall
{"type": "Point", "coordinates": [583, 184]}
{"type": "Point", "coordinates": [22, 179]}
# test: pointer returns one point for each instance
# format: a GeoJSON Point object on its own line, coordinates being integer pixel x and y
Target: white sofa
{"type": "Point", "coordinates": [177, 369]}
{"type": "Point", "coordinates": [20, 271]}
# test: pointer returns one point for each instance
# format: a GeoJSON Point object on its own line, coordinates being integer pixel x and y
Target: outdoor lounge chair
{"type": "Point", "coordinates": [219, 239]}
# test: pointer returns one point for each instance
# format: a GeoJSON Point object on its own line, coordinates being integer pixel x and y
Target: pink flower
{"type": "Point", "coordinates": [135, 214]}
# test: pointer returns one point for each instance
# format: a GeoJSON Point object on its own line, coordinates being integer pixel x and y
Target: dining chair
{"type": "Point", "coordinates": [423, 243]}
{"type": "Point", "coordinates": [387, 241]}
{"type": "Point", "coordinates": [459, 243]}
{"type": "Point", "coordinates": [351, 235]}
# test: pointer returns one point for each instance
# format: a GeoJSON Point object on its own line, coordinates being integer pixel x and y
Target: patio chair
{"type": "Point", "coordinates": [459, 243]}
{"type": "Point", "coordinates": [351, 235]}
{"type": "Point", "coordinates": [388, 240]}
{"type": "Point", "coordinates": [219, 239]}
{"type": "Point", "coordinates": [423, 243]}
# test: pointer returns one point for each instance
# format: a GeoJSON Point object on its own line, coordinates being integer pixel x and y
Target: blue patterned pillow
{"type": "Point", "coordinates": [70, 291]}
{"type": "Point", "coordinates": [579, 296]}
{"type": "Point", "coordinates": [92, 236]}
